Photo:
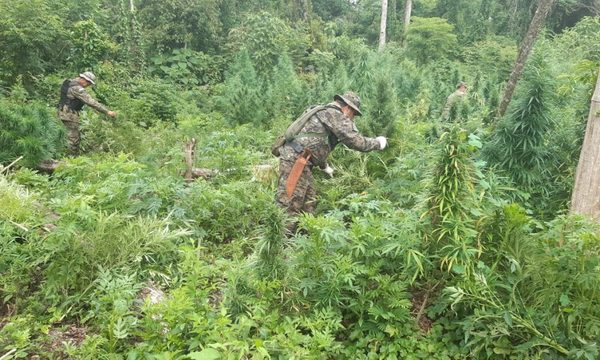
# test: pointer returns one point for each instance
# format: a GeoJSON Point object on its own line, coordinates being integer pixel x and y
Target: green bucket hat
{"type": "Point", "coordinates": [352, 100]}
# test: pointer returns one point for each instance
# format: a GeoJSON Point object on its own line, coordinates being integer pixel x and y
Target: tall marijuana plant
{"type": "Point", "coordinates": [28, 130]}
{"type": "Point", "coordinates": [269, 249]}
{"type": "Point", "coordinates": [285, 95]}
{"type": "Point", "coordinates": [382, 108]}
{"type": "Point", "coordinates": [517, 145]}
{"type": "Point", "coordinates": [241, 97]}
{"type": "Point", "coordinates": [452, 234]}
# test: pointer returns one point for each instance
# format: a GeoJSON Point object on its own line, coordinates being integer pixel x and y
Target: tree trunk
{"type": "Point", "coordinates": [406, 23]}
{"type": "Point", "coordinates": [307, 9]}
{"type": "Point", "coordinates": [189, 152]}
{"type": "Point", "coordinates": [384, 8]}
{"type": "Point", "coordinates": [543, 9]}
{"type": "Point", "coordinates": [191, 173]}
{"type": "Point", "coordinates": [586, 191]}
{"type": "Point", "coordinates": [131, 6]}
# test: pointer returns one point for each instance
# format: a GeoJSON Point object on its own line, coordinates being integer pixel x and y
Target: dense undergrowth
{"type": "Point", "coordinates": [454, 243]}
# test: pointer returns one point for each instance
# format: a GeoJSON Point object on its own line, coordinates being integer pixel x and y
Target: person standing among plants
{"type": "Point", "coordinates": [73, 97]}
{"type": "Point", "coordinates": [313, 136]}
{"type": "Point", "coordinates": [453, 99]}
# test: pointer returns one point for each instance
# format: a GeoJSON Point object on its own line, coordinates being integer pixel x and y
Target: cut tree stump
{"type": "Point", "coordinates": [191, 173]}
{"type": "Point", "coordinates": [49, 166]}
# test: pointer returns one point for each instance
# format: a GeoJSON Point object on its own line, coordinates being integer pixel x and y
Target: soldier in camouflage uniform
{"type": "Point", "coordinates": [453, 99]}
{"type": "Point", "coordinates": [73, 97]}
{"type": "Point", "coordinates": [323, 131]}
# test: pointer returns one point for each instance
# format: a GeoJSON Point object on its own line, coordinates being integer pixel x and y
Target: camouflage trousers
{"type": "Point", "coordinates": [304, 197]}
{"type": "Point", "coordinates": [71, 121]}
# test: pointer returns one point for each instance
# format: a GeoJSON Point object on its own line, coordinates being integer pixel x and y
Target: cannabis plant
{"type": "Point", "coordinates": [517, 145]}
{"type": "Point", "coordinates": [29, 130]}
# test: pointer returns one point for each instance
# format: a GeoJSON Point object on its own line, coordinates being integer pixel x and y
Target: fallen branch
{"type": "Point", "coordinates": [424, 303]}
{"type": "Point", "coordinates": [5, 356]}
{"type": "Point", "coordinates": [19, 225]}
{"type": "Point", "coordinates": [8, 167]}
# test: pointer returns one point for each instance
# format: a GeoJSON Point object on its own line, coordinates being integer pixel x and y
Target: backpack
{"type": "Point", "coordinates": [295, 128]}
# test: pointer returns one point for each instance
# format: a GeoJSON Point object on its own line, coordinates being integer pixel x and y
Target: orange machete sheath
{"type": "Point", "coordinates": [295, 174]}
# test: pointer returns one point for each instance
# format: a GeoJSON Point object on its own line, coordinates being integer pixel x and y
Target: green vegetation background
{"type": "Point", "coordinates": [453, 243]}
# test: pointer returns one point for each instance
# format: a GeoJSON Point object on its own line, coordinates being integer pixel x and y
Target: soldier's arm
{"type": "Point", "coordinates": [346, 132]}
{"type": "Point", "coordinates": [80, 93]}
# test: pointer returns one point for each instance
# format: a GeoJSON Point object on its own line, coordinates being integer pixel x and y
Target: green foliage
{"type": "Point", "coordinates": [580, 40]}
{"type": "Point", "coordinates": [451, 211]}
{"type": "Point", "coordinates": [172, 24]}
{"type": "Point", "coordinates": [188, 68]}
{"type": "Point", "coordinates": [90, 45]}
{"type": "Point", "coordinates": [430, 38]}
{"type": "Point", "coordinates": [241, 94]}
{"type": "Point", "coordinates": [383, 113]}
{"type": "Point", "coordinates": [496, 54]}
{"type": "Point", "coordinates": [285, 95]}
{"type": "Point", "coordinates": [151, 101]}
{"type": "Point", "coordinates": [517, 145]}
{"type": "Point", "coordinates": [73, 255]}
{"type": "Point", "coordinates": [31, 39]}
{"type": "Point", "coordinates": [514, 308]}
{"type": "Point", "coordinates": [227, 213]}
{"type": "Point", "coordinates": [378, 92]}
{"type": "Point", "coordinates": [19, 215]}
{"type": "Point", "coordinates": [18, 335]}
{"type": "Point", "coordinates": [28, 129]}
{"type": "Point", "coordinates": [269, 249]}
{"type": "Point", "coordinates": [112, 304]}
{"type": "Point", "coordinates": [266, 38]}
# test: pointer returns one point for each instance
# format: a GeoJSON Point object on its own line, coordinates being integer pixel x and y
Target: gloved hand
{"type": "Point", "coordinates": [382, 142]}
{"type": "Point", "coordinates": [328, 170]}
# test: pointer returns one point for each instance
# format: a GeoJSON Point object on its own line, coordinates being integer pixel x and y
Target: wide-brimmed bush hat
{"type": "Point", "coordinates": [351, 99]}
{"type": "Point", "coordinates": [89, 76]}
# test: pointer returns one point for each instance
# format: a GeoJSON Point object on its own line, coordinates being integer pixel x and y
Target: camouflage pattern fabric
{"type": "Point", "coordinates": [450, 102]}
{"type": "Point", "coordinates": [320, 135]}
{"type": "Point", "coordinates": [77, 91]}
{"type": "Point", "coordinates": [70, 118]}
{"type": "Point", "coordinates": [304, 196]}
{"type": "Point", "coordinates": [71, 121]}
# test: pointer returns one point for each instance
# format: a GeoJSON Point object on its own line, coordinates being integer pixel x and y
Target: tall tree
{"type": "Point", "coordinates": [539, 18]}
{"type": "Point", "coordinates": [382, 28]}
{"type": "Point", "coordinates": [407, 13]}
{"type": "Point", "coordinates": [586, 191]}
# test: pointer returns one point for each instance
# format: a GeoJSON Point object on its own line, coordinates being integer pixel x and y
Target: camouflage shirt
{"type": "Point", "coordinates": [450, 102]}
{"type": "Point", "coordinates": [76, 91]}
{"type": "Point", "coordinates": [323, 132]}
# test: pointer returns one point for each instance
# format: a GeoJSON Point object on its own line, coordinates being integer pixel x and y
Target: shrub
{"type": "Point", "coordinates": [29, 130]}
{"type": "Point", "coordinates": [430, 38]}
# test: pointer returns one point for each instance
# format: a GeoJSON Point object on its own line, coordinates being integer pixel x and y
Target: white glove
{"type": "Point", "coordinates": [382, 142]}
{"type": "Point", "coordinates": [328, 170]}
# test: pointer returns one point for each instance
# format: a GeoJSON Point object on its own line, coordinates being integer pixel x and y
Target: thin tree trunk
{"type": "Point", "coordinates": [586, 191]}
{"type": "Point", "coordinates": [131, 6]}
{"type": "Point", "coordinates": [384, 8]}
{"type": "Point", "coordinates": [189, 152]}
{"type": "Point", "coordinates": [307, 9]}
{"type": "Point", "coordinates": [406, 23]}
{"type": "Point", "coordinates": [543, 9]}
